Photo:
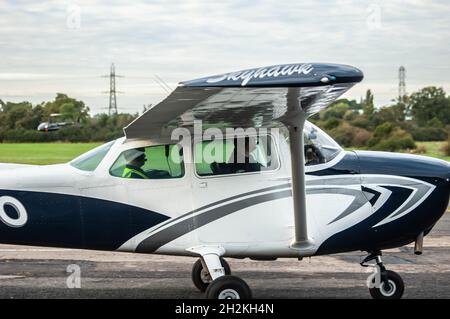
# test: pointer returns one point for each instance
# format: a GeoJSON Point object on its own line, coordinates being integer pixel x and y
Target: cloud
{"type": "Point", "coordinates": [180, 40]}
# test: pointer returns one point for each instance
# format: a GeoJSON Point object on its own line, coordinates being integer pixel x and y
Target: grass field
{"type": "Point", "coordinates": [54, 153]}
{"type": "Point", "coordinates": [434, 149]}
{"type": "Point", "coordinates": [42, 153]}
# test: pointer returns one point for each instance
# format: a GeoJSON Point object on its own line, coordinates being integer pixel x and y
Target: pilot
{"type": "Point", "coordinates": [244, 163]}
{"type": "Point", "coordinates": [136, 159]}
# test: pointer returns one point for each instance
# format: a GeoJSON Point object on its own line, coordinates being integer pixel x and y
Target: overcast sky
{"type": "Point", "coordinates": [58, 46]}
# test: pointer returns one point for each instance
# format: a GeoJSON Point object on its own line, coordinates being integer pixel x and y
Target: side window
{"type": "Point", "coordinates": [152, 162]}
{"type": "Point", "coordinates": [235, 156]}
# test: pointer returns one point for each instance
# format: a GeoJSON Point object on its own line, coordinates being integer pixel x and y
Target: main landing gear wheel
{"type": "Point", "coordinates": [389, 284]}
{"type": "Point", "coordinates": [391, 288]}
{"type": "Point", "coordinates": [201, 277]}
{"type": "Point", "coordinates": [228, 287]}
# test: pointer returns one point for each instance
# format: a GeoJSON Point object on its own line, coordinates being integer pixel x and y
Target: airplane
{"type": "Point", "coordinates": [294, 193]}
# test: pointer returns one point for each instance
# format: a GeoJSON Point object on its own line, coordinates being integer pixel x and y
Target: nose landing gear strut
{"type": "Point", "coordinates": [383, 284]}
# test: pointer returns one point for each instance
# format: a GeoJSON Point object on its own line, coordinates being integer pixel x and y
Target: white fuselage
{"type": "Point", "coordinates": [246, 214]}
{"type": "Point", "coordinates": [260, 223]}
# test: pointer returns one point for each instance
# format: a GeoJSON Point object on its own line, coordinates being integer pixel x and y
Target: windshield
{"type": "Point", "coordinates": [89, 161]}
{"type": "Point", "coordinates": [319, 147]}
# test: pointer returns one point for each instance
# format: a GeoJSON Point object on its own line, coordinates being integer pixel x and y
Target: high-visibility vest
{"type": "Point", "coordinates": [128, 171]}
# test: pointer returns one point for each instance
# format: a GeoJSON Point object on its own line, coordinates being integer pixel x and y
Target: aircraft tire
{"type": "Point", "coordinates": [201, 278]}
{"type": "Point", "coordinates": [395, 291]}
{"type": "Point", "coordinates": [228, 287]}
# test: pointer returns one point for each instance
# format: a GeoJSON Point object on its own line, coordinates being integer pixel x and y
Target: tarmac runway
{"type": "Point", "coordinates": [36, 272]}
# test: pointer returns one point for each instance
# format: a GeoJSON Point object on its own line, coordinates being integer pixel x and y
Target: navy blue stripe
{"type": "Point", "coordinates": [60, 220]}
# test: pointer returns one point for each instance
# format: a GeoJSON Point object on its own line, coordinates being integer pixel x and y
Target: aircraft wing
{"type": "Point", "coordinates": [262, 97]}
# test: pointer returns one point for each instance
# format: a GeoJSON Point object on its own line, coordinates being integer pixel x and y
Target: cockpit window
{"type": "Point", "coordinates": [319, 147]}
{"type": "Point", "coordinates": [89, 161]}
{"type": "Point", "coordinates": [152, 162]}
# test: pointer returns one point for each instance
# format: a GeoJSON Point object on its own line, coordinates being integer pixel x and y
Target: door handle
{"type": "Point", "coordinates": [203, 185]}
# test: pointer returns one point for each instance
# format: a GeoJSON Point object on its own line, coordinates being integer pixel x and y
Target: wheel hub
{"type": "Point", "coordinates": [389, 289]}
{"type": "Point", "coordinates": [229, 294]}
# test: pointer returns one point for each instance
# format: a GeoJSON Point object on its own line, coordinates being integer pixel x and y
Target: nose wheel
{"type": "Point", "coordinates": [384, 284]}
{"type": "Point", "coordinates": [201, 276]}
{"type": "Point", "coordinates": [391, 288]}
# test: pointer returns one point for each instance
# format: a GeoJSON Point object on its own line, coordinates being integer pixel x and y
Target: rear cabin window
{"type": "Point", "coordinates": [152, 162]}
{"type": "Point", "coordinates": [89, 161]}
{"type": "Point", "coordinates": [235, 156]}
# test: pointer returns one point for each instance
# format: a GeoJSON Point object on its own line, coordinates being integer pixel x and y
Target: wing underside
{"type": "Point", "coordinates": [230, 107]}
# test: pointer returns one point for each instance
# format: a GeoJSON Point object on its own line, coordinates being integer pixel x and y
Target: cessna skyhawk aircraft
{"type": "Point", "coordinates": [302, 195]}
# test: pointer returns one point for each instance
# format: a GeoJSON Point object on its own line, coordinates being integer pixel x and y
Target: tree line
{"type": "Point", "coordinates": [422, 116]}
{"type": "Point", "coordinates": [19, 122]}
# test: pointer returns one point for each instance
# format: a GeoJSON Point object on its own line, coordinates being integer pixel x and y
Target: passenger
{"type": "Point", "coordinates": [136, 159]}
{"type": "Point", "coordinates": [244, 163]}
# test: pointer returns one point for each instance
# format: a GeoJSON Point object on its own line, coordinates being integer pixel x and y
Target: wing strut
{"type": "Point", "coordinates": [295, 121]}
